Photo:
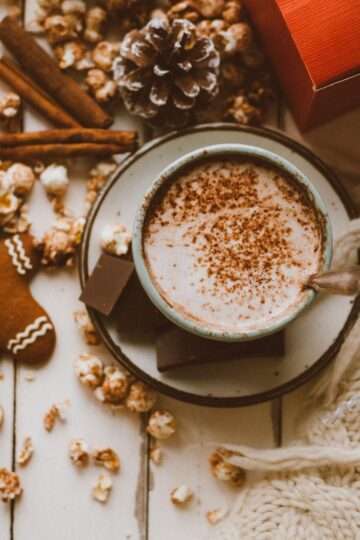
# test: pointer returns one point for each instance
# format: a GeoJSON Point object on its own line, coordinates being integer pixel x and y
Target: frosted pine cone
{"type": "Point", "coordinates": [165, 70]}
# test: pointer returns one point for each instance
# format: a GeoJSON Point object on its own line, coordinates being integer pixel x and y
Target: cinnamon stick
{"type": "Point", "coordinates": [40, 66]}
{"type": "Point", "coordinates": [58, 151]}
{"type": "Point", "coordinates": [124, 139]}
{"type": "Point", "coordinates": [33, 95]}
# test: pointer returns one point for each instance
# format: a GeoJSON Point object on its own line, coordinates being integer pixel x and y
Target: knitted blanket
{"type": "Point", "coordinates": [311, 489]}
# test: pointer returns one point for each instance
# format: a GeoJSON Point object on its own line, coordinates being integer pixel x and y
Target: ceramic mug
{"type": "Point", "coordinates": [172, 171]}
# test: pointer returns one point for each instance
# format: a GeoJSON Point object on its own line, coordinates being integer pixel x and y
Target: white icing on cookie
{"type": "Point", "coordinates": [17, 255]}
{"type": "Point", "coordinates": [33, 338]}
{"type": "Point", "coordinates": [31, 333]}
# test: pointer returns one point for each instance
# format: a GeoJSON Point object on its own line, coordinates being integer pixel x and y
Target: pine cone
{"type": "Point", "coordinates": [165, 70]}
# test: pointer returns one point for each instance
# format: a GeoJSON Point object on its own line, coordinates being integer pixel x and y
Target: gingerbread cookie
{"type": "Point", "coordinates": [26, 331]}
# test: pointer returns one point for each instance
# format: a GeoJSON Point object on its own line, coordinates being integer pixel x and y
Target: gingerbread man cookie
{"type": "Point", "coordinates": [26, 331]}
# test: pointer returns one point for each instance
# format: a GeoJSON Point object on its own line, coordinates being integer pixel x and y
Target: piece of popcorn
{"type": "Point", "coordinates": [26, 452]}
{"type": "Point", "coordinates": [108, 458]}
{"type": "Point", "coordinates": [70, 54]}
{"type": "Point", "coordinates": [19, 223]}
{"type": "Point", "coordinates": [141, 398]}
{"type": "Point", "coordinates": [156, 455]}
{"type": "Point", "coordinates": [104, 54]}
{"type": "Point", "coordinates": [98, 176]}
{"type": "Point", "coordinates": [181, 495]}
{"type": "Point", "coordinates": [59, 244]}
{"type": "Point", "coordinates": [79, 452]}
{"type": "Point", "coordinates": [103, 169]}
{"type": "Point", "coordinates": [2, 415]}
{"type": "Point", "coordinates": [237, 38]}
{"type": "Point", "coordinates": [10, 485]}
{"type": "Point", "coordinates": [55, 180]}
{"type": "Point", "coordinates": [161, 425]}
{"type": "Point", "coordinates": [83, 321]}
{"type": "Point", "coordinates": [9, 205]}
{"type": "Point", "coordinates": [215, 516]}
{"type": "Point", "coordinates": [10, 105]}
{"type": "Point", "coordinates": [20, 178]}
{"type": "Point", "coordinates": [95, 21]}
{"type": "Point", "coordinates": [115, 239]}
{"type": "Point", "coordinates": [115, 386]}
{"type": "Point", "coordinates": [102, 488]}
{"type": "Point", "coordinates": [90, 370]}
{"type": "Point", "coordinates": [61, 28]}
{"type": "Point", "coordinates": [29, 376]}
{"type": "Point", "coordinates": [225, 471]}
{"type": "Point", "coordinates": [55, 413]}
{"type": "Point", "coordinates": [85, 63]}
{"type": "Point", "coordinates": [100, 85]}
{"type": "Point", "coordinates": [73, 6]}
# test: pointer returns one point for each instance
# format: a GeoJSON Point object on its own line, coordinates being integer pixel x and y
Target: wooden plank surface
{"type": "Point", "coordinates": [186, 462]}
{"type": "Point", "coordinates": [56, 503]}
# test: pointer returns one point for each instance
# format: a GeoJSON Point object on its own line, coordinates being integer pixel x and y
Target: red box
{"type": "Point", "coordinates": [314, 46]}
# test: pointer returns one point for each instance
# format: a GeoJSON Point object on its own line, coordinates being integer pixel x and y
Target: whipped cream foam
{"type": "Point", "coordinates": [230, 243]}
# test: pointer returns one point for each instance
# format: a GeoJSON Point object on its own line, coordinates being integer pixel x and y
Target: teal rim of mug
{"type": "Point", "coordinates": [241, 150]}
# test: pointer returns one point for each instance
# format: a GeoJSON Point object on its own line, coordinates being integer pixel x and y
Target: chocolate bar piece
{"type": "Point", "coordinates": [107, 282]}
{"type": "Point", "coordinates": [136, 316]}
{"type": "Point", "coordinates": [176, 348]}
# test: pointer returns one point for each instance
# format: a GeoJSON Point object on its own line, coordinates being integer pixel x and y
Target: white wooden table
{"type": "Point", "coordinates": [56, 503]}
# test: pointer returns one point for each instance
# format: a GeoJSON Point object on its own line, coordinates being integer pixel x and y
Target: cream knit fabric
{"type": "Point", "coordinates": [310, 490]}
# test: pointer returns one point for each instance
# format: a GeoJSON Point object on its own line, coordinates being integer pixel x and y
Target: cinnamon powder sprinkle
{"type": "Point", "coordinates": [249, 234]}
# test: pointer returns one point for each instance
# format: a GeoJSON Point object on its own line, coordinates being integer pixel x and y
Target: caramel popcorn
{"type": "Point", "coordinates": [73, 6]}
{"type": "Point", "coordinates": [184, 10]}
{"type": "Point", "coordinates": [79, 452]}
{"type": "Point", "coordinates": [100, 85]}
{"type": "Point", "coordinates": [70, 54]}
{"type": "Point", "coordinates": [104, 54]}
{"type": "Point", "coordinates": [115, 239]}
{"type": "Point", "coordinates": [26, 452]}
{"type": "Point", "coordinates": [233, 11]}
{"type": "Point", "coordinates": [10, 105]}
{"type": "Point", "coordinates": [59, 244]}
{"type": "Point", "coordinates": [9, 204]}
{"type": "Point", "coordinates": [55, 180]}
{"type": "Point", "coordinates": [141, 398]}
{"type": "Point", "coordinates": [61, 28]}
{"type": "Point", "coordinates": [237, 38]}
{"type": "Point", "coordinates": [20, 178]}
{"type": "Point", "coordinates": [210, 8]}
{"type": "Point", "coordinates": [10, 486]}
{"type": "Point", "coordinates": [115, 386]}
{"type": "Point", "coordinates": [19, 222]}
{"type": "Point", "coordinates": [95, 21]}
{"type": "Point", "coordinates": [181, 495]}
{"type": "Point", "coordinates": [98, 177]}
{"type": "Point", "coordinates": [156, 455]}
{"type": "Point", "coordinates": [242, 111]}
{"type": "Point", "coordinates": [1, 416]}
{"type": "Point", "coordinates": [29, 376]}
{"type": "Point", "coordinates": [108, 458]}
{"type": "Point", "coordinates": [161, 425]}
{"type": "Point", "coordinates": [224, 471]}
{"type": "Point", "coordinates": [215, 516]}
{"type": "Point", "coordinates": [55, 413]}
{"type": "Point", "coordinates": [102, 488]}
{"type": "Point", "coordinates": [83, 321]}
{"type": "Point", "coordinates": [89, 369]}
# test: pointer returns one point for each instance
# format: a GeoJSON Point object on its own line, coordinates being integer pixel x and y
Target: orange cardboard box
{"type": "Point", "coordinates": [314, 46]}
